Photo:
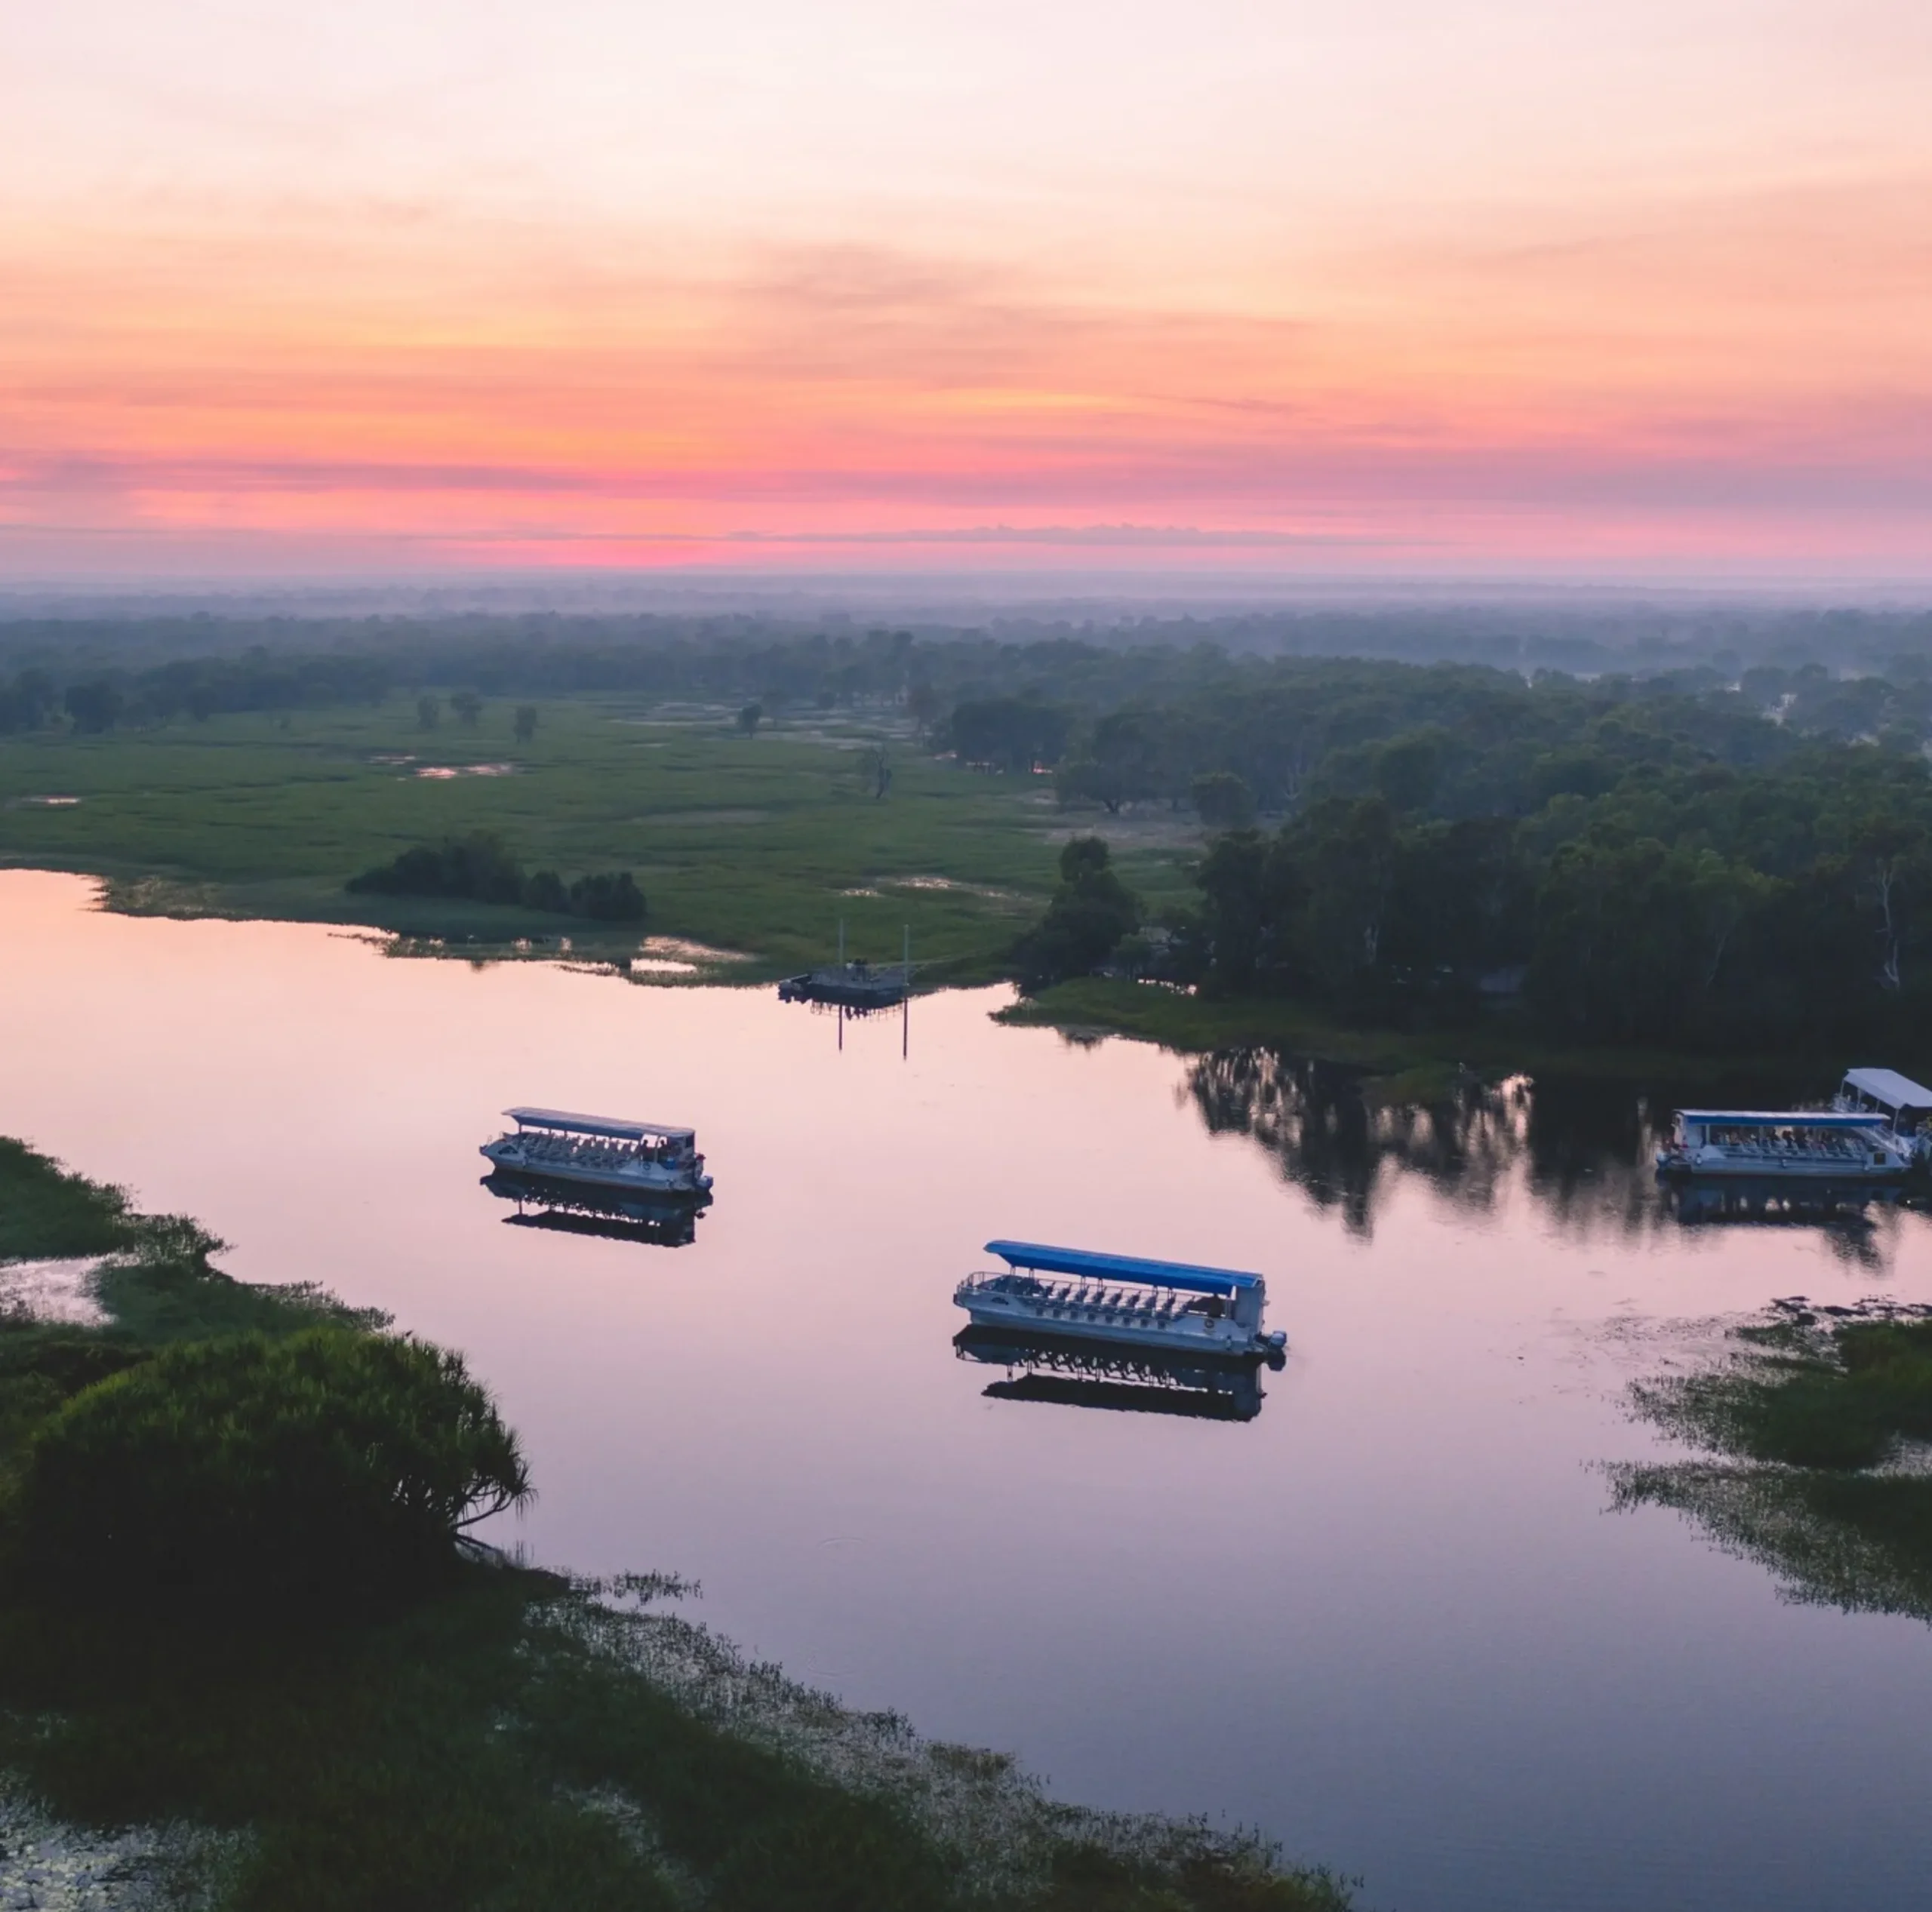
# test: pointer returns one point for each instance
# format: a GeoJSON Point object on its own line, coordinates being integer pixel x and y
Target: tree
{"type": "Point", "coordinates": [1889, 849]}
{"type": "Point", "coordinates": [923, 705]}
{"type": "Point", "coordinates": [29, 703]}
{"type": "Point", "coordinates": [93, 708]}
{"type": "Point", "coordinates": [750, 716]}
{"type": "Point", "coordinates": [1235, 918]}
{"type": "Point", "coordinates": [875, 770]}
{"type": "Point", "coordinates": [1347, 854]}
{"type": "Point", "coordinates": [1008, 733]}
{"type": "Point", "coordinates": [322, 1466]}
{"type": "Point", "coordinates": [468, 708]}
{"type": "Point", "coordinates": [524, 728]}
{"type": "Point", "coordinates": [428, 712]}
{"type": "Point", "coordinates": [1092, 912]}
{"type": "Point", "coordinates": [1223, 801]}
{"type": "Point", "coordinates": [1121, 765]}
{"type": "Point", "coordinates": [1408, 769]}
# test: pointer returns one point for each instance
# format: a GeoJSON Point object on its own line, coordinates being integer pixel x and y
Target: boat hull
{"type": "Point", "coordinates": [641, 1179]}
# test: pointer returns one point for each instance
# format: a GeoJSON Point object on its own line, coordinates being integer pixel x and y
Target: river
{"type": "Point", "coordinates": [1390, 1618]}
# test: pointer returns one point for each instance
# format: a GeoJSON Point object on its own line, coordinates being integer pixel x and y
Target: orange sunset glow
{"type": "Point", "coordinates": [1448, 286]}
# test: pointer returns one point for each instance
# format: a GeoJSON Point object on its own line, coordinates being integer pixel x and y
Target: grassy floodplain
{"type": "Point", "coordinates": [512, 1740]}
{"type": "Point", "coordinates": [753, 846]}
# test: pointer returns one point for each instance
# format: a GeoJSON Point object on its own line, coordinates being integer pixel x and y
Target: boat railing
{"type": "Point", "coordinates": [1151, 1301]}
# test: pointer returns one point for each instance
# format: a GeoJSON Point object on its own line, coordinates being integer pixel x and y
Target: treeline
{"type": "Point", "coordinates": [480, 868]}
{"type": "Point", "coordinates": [1459, 739]}
{"type": "Point", "coordinates": [1693, 905]}
{"type": "Point", "coordinates": [96, 701]}
{"type": "Point", "coordinates": [1618, 633]}
{"type": "Point", "coordinates": [1110, 711]}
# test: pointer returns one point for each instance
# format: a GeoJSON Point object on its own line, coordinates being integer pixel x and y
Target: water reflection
{"type": "Point", "coordinates": [1343, 1151]}
{"type": "Point", "coordinates": [1584, 1150]}
{"type": "Point", "coordinates": [660, 1221]}
{"type": "Point", "coordinates": [1136, 1381]}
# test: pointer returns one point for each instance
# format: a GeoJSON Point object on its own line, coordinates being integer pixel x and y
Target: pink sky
{"type": "Point", "coordinates": [1408, 286]}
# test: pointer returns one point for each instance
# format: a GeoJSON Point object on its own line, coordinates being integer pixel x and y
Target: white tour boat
{"type": "Point", "coordinates": [1072, 1293]}
{"type": "Point", "coordinates": [1893, 1101]}
{"type": "Point", "coordinates": [1837, 1145]}
{"type": "Point", "coordinates": [597, 1151]}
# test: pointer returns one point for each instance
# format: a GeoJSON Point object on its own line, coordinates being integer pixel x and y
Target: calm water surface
{"type": "Point", "coordinates": [1388, 1618]}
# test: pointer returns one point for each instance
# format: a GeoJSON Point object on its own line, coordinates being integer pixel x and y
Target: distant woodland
{"type": "Point", "coordinates": [1728, 852]}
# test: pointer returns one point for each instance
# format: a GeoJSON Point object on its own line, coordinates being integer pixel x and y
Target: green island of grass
{"type": "Point", "coordinates": [479, 1737]}
{"type": "Point", "coordinates": [1812, 1427]}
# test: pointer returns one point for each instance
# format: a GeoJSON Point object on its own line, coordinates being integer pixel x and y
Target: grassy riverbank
{"type": "Point", "coordinates": [757, 845]}
{"type": "Point", "coordinates": [513, 1741]}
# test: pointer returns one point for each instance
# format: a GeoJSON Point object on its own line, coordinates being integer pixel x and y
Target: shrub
{"type": "Point", "coordinates": [322, 1466]}
{"type": "Point", "coordinates": [478, 866]}
{"type": "Point", "coordinates": [481, 868]}
{"type": "Point", "coordinates": [608, 896]}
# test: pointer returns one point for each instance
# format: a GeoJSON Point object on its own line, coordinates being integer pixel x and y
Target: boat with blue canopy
{"type": "Point", "coordinates": [612, 1154]}
{"type": "Point", "coordinates": [1079, 1294]}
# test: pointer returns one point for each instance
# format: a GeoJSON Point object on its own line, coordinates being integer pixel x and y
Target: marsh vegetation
{"type": "Point", "coordinates": [1816, 1431]}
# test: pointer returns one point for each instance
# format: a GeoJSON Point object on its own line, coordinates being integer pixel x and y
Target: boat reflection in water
{"type": "Point", "coordinates": [566, 1208]}
{"type": "Point", "coordinates": [1135, 1381]}
{"type": "Point", "coordinates": [1774, 1199]}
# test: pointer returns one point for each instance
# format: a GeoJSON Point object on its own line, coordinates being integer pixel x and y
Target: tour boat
{"type": "Point", "coordinates": [1076, 1295]}
{"type": "Point", "coordinates": [856, 986]}
{"type": "Point", "coordinates": [600, 1152]}
{"type": "Point", "coordinates": [1902, 1107]}
{"type": "Point", "coordinates": [1839, 1145]}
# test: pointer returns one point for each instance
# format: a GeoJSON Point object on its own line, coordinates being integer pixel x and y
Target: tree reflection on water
{"type": "Point", "coordinates": [1584, 1150]}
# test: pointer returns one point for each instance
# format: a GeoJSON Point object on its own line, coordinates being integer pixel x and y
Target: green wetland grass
{"type": "Point", "coordinates": [507, 1740]}
{"type": "Point", "coordinates": [1816, 1431]}
{"type": "Point", "coordinates": [756, 846]}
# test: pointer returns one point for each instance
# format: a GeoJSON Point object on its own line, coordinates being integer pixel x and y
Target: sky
{"type": "Point", "coordinates": [1368, 288]}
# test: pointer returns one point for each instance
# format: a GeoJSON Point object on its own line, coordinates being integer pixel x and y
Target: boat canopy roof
{"type": "Point", "coordinates": [1776, 1118]}
{"type": "Point", "coordinates": [1085, 1262]}
{"type": "Point", "coordinates": [621, 1129]}
{"type": "Point", "coordinates": [1887, 1085]}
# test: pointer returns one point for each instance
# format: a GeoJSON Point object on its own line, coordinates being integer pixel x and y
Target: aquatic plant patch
{"type": "Point", "coordinates": [1817, 1429]}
